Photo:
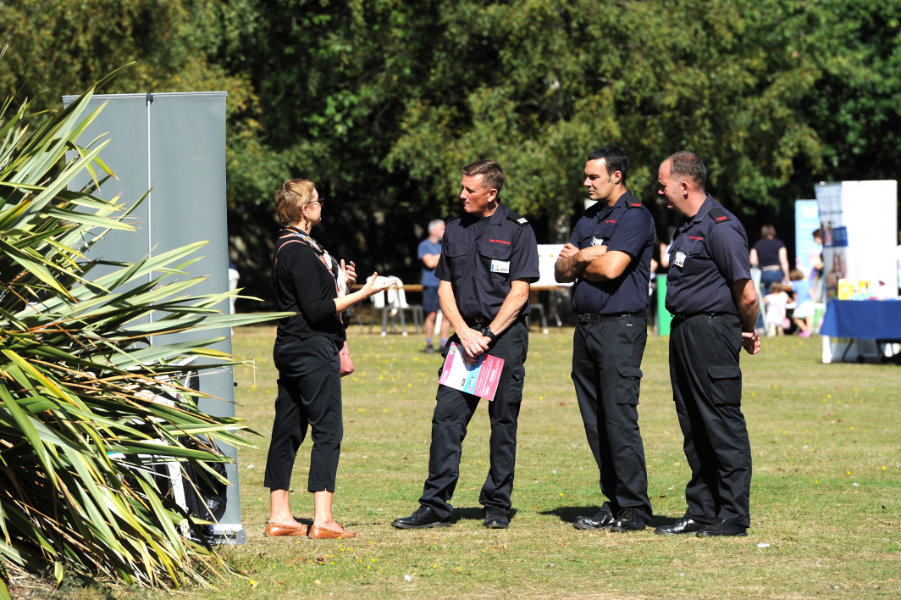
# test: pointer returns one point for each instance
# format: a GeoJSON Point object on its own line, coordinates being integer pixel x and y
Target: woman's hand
{"type": "Point", "coordinates": [350, 272]}
{"type": "Point", "coordinates": [374, 285]}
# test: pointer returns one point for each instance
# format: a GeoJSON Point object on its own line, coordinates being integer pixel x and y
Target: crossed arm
{"type": "Point", "coordinates": [594, 263]}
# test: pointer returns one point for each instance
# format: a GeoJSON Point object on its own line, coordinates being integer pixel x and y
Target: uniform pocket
{"type": "Point", "coordinates": [454, 250]}
{"type": "Point", "coordinates": [495, 249]}
{"type": "Point", "coordinates": [457, 256]}
{"type": "Point", "coordinates": [517, 381]}
{"type": "Point", "coordinates": [726, 383]}
{"type": "Point", "coordinates": [628, 385]}
{"type": "Point", "coordinates": [495, 257]}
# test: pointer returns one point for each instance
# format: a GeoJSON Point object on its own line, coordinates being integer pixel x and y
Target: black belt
{"type": "Point", "coordinates": [711, 315]}
{"type": "Point", "coordinates": [598, 317]}
{"type": "Point", "coordinates": [481, 321]}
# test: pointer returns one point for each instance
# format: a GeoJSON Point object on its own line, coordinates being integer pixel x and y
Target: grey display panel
{"type": "Point", "coordinates": [173, 144]}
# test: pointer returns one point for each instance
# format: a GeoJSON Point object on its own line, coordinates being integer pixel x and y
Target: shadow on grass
{"type": "Point", "coordinates": [568, 514]}
{"type": "Point", "coordinates": [474, 514]}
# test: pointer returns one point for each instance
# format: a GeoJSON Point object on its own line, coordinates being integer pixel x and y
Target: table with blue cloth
{"type": "Point", "coordinates": [864, 326]}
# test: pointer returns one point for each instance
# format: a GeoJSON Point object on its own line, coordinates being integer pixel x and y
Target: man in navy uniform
{"type": "Point", "coordinates": [608, 256]}
{"type": "Point", "coordinates": [714, 303]}
{"type": "Point", "coordinates": [488, 259]}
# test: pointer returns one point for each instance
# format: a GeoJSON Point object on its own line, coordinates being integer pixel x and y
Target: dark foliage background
{"type": "Point", "coordinates": [382, 101]}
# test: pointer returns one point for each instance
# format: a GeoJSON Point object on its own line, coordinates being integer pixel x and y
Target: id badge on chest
{"type": "Point", "coordinates": [500, 266]}
{"type": "Point", "coordinates": [680, 259]}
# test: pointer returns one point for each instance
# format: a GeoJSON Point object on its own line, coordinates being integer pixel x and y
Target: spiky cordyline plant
{"type": "Point", "coordinates": [80, 383]}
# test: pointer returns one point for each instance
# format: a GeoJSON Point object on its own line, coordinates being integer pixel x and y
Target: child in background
{"type": "Point", "coordinates": [805, 301]}
{"type": "Point", "coordinates": [776, 302]}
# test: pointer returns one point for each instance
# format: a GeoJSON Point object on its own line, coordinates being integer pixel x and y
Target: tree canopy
{"type": "Point", "coordinates": [381, 102]}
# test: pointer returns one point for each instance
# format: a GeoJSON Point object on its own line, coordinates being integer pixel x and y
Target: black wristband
{"type": "Point", "coordinates": [486, 331]}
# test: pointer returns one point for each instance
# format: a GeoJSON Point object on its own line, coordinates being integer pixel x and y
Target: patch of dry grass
{"type": "Point", "coordinates": [825, 492]}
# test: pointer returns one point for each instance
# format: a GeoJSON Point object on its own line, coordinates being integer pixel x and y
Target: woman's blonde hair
{"type": "Point", "coordinates": [290, 199]}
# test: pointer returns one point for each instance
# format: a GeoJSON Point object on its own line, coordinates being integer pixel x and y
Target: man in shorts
{"type": "Point", "coordinates": [429, 253]}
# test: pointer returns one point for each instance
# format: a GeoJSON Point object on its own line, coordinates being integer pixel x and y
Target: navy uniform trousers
{"type": "Point", "coordinates": [605, 370]}
{"type": "Point", "coordinates": [706, 379]}
{"type": "Point", "coordinates": [453, 411]}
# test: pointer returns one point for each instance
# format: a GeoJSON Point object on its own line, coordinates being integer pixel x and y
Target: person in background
{"type": "Point", "coordinates": [608, 258]}
{"type": "Point", "coordinates": [659, 267]}
{"type": "Point", "coordinates": [770, 255]}
{"type": "Point", "coordinates": [816, 259]}
{"type": "Point", "coordinates": [429, 253]}
{"type": "Point", "coordinates": [815, 277]}
{"type": "Point", "coordinates": [715, 305]}
{"type": "Point", "coordinates": [489, 257]}
{"type": "Point", "coordinates": [776, 302]}
{"type": "Point", "coordinates": [805, 302]}
{"type": "Point", "coordinates": [307, 280]}
{"type": "Point", "coordinates": [663, 248]}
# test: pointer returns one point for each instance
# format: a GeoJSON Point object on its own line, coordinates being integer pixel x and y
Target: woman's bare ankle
{"type": "Point", "coordinates": [283, 519]}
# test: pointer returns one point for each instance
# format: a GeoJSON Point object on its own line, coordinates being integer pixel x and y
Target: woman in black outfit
{"type": "Point", "coordinates": [771, 257]}
{"type": "Point", "coordinates": [307, 281]}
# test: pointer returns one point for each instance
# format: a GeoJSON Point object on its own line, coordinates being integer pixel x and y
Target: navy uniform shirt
{"type": "Point", "coordinates": [481, 259]}
{"type": "Point", "coordinates": [628, 227]}
{"type": "Point", "coordinates": [709, 254]}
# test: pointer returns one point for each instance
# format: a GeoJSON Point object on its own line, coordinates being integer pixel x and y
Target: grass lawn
{"type": "Point", "coordinates": [826, 517]}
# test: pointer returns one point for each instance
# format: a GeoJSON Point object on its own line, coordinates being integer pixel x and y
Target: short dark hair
{"type": "Point", "coordinates": [614, 158]}
{"type": "Point", "coordinates": [492, 171]}
{"type": "Point", "coordinates": [690, 165]}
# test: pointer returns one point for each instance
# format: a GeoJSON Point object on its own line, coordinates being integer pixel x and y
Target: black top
{"type": "Point", "coordinates": [305, 284]}
{"type": "Point", "coordinates": [480, 260]}
{"type": "Point", "coordinates": [628, 227]}
{"type": "Point", "coordinates": [768, 252]}
{"type": "Point", "coordinates": [709, 253]}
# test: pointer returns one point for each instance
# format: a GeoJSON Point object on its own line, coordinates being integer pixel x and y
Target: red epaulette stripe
{"type": "Point", "coordinates": [694, 237]}
{"type": "Point", "coordinates": [723, 218]}
{"type": "Point", "coordinates": [498, 241]}
{"type": "Point", "coordinates": [609, 221]}
{"type": "Point", "coordinates": [636, 204]}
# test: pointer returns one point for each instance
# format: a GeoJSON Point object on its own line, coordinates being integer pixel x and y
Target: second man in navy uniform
{"type": "Point", "coordinates": [608, 257]}
{"type": "Point", "coordinates": [489, 257]}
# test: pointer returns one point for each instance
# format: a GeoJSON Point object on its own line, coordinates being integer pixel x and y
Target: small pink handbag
{"type": "Point", "coordinates": [347, 363]}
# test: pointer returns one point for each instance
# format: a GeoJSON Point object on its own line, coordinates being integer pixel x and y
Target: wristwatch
{"type": "Point", "coordinates": [486, 331]}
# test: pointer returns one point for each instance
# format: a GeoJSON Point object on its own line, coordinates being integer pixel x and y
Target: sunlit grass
{"type": "Point", "coordinates": [824, 503]}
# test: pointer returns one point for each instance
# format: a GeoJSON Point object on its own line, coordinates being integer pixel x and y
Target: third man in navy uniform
{"type": "Point", "coordinates": [608, 257]}
{"type": "Point", "coordinates": [489, 257]}
{"type": "Point", "coordinates": [714, 305]}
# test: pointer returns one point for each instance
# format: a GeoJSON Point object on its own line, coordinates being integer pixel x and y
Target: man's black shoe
{"type": "Point", "coordinates": [599, 521]}
{"type": "Point", "coordinates": [722, 527]}
{"type": "Point", "coordinates": [683, 525]}
{"type": "Point", "coordinates": [423, 517]}
{"type": "Point", "coordinates": [628, 519]}
{"type": "Point", "coordinates": [496, 518]}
